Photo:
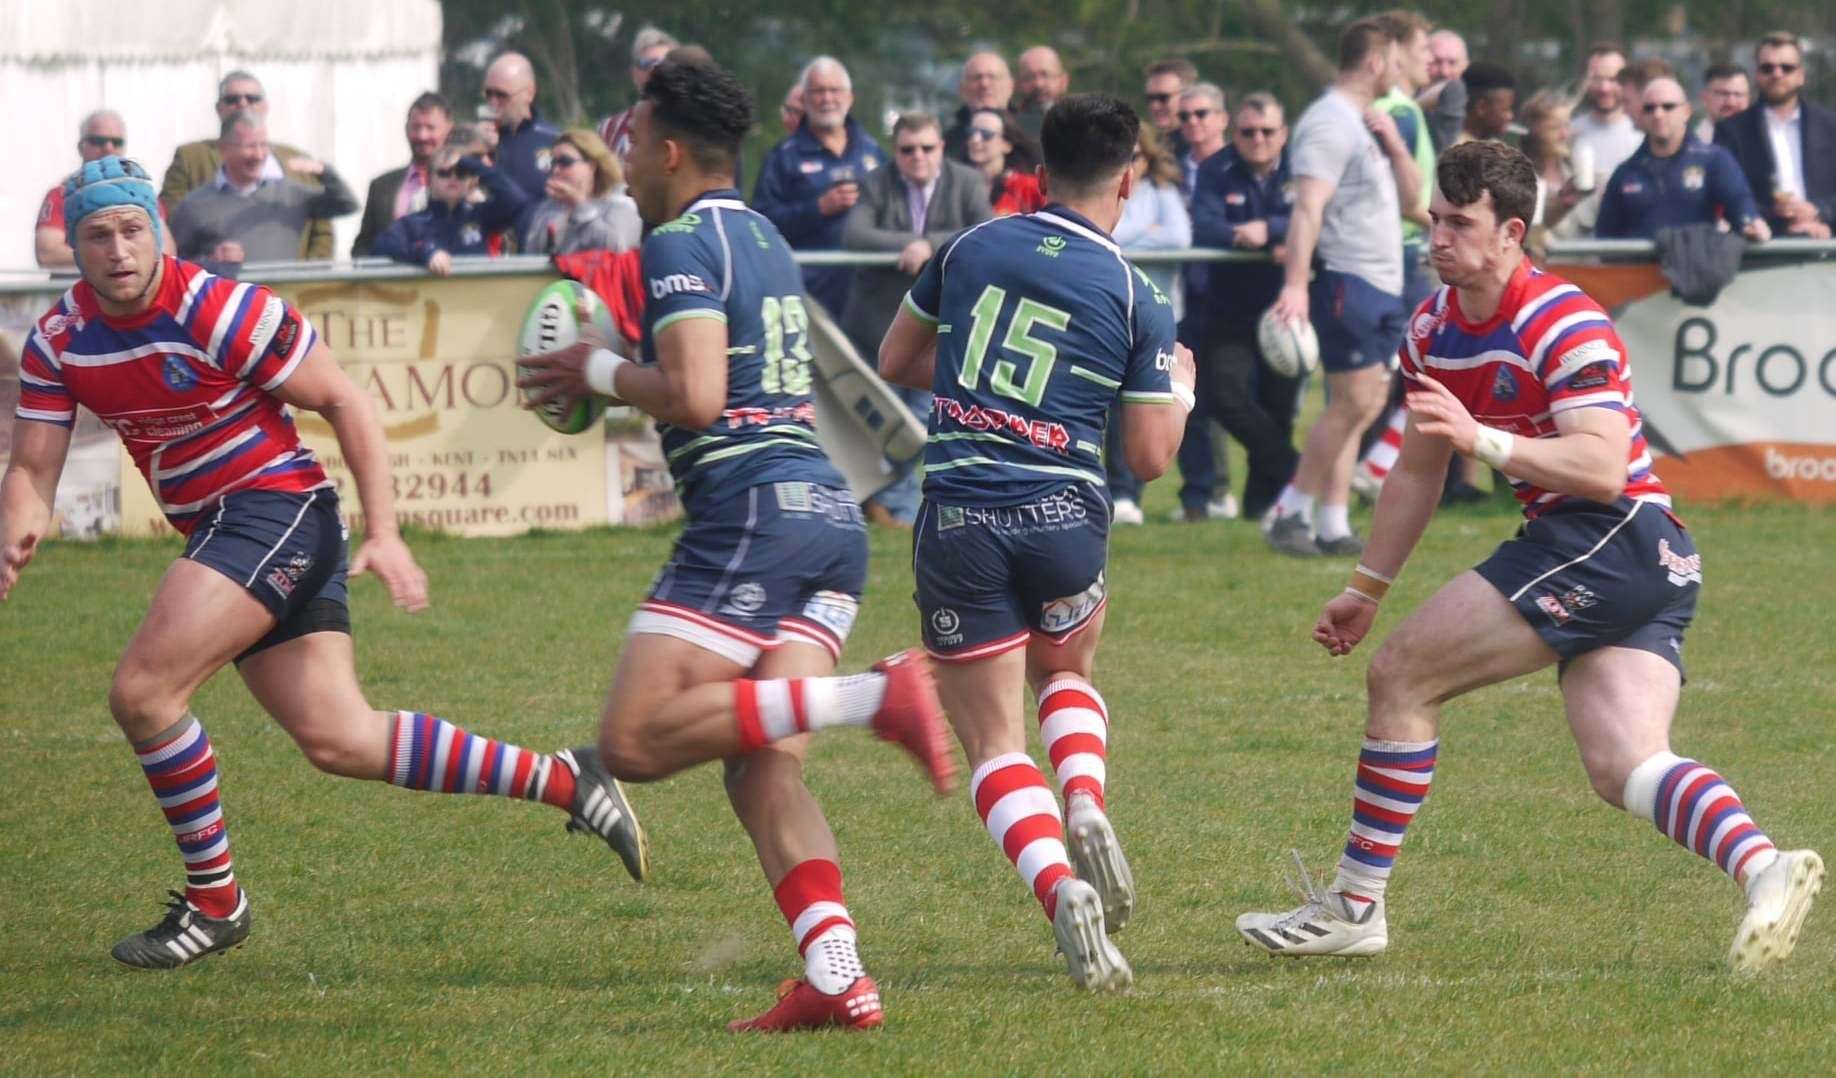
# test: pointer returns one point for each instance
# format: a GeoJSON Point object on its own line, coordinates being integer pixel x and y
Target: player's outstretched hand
{"type": "Point", "coordinates": [13, 558]}
{"type": "Point", "coordinates": [1343, 623]}
{"type": "Point", "coordinates": [389, 558]}
{"type": "Point", "coordinates": [557, 375]}
{"type": "Point", "coordinates": [1435, 410]}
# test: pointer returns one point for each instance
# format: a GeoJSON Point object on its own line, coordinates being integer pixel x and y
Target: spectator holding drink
{"type": "Point", "coordinates": [812, 179]}
{"type": "Point", "coordinates": [1784, 144]}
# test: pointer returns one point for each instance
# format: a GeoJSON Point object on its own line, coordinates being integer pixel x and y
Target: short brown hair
{"type": "Point", "coordinates": [1779, 39]}
{"type": "Point", "coordinates": [915, 121]}
{"type": "Point", "coordinates": [1606, 48]}
{"type": "Point", "coordinates": [1640, 72]}
{"type": "Point", "coordinates": [1471, 170]}
{"type": "Point", "coordinates": [1176, 65]}
{"type": "Point", "coordinates": [1404, 24]}
{"type": "Point", "coordinates": [1361, 38]}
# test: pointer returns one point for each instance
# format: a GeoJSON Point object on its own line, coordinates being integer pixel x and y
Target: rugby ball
{"type": "Point", "coordinates": [1290, 348]}
{"type": "Point", "coordinates": [552, 323]}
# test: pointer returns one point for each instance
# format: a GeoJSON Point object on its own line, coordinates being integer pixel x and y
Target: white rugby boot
{"type": "Point", "coordinates": [1326, 923]}
{"type": "Point", "coordinates": [1093, 961]}
{"type": "Point", "coordinates": [1778, 900]}
{"type": "Point", "coordinates": [1097, 856]}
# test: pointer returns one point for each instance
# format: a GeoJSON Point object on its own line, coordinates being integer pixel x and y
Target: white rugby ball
{"type": "Point", "coordinates": [552, 323]}
{"type": "Point", "coordinates": [1290, 348]}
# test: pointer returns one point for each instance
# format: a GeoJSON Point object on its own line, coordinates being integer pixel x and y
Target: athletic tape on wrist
{"type": "Point", "coordinates": [602, 371]}
{"type": "Point", "coordinates": [1184, 395]}
{"type": "Point", "coordinates": [1493, 446]}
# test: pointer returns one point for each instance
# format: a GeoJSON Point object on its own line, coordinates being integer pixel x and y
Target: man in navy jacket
{"type": "Point", "coordinates": [454, 222]}
{"type": "Point", "coordinates": [1241, 200]}
{"type": "Point", "coordinates": [1796, 188]}
{"type": "Point", "coordinates": [811, 179]}
{"type": "Point", "coordinates": [1672, 179]}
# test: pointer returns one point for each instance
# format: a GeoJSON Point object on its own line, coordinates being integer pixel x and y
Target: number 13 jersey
{"type": "Point", "coordinates": [1041, 324]}
{"type": "Point", "coordinates": [721, 260]}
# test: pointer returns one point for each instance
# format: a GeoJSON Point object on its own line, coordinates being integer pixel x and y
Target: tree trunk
{"type": "Point", "coordinates": [1270, 19]}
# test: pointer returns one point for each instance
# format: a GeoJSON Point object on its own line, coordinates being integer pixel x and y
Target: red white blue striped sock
{"type": "Point", "coordinates": [429, 753]}
{"type": "Point", "coordinates": [182, 769]}
{"type": "Point", "coordinates": [767, 711]}
{"type": "Point", "coordinates": [1074, 724]}
{"type": "Point", "coordinates": [810, 896]}
{"type": "Point", "coordinates": [1392, 783]}
{"type": "Point", "coordinates": [1699, 811]}
{"type": "Point", "coordinates": [1022, 816]}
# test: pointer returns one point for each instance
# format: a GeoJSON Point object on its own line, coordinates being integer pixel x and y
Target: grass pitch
{"type": "Point", "coordinates": [1531, 926]}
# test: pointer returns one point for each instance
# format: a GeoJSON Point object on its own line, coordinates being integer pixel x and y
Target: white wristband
{"type": "Point", "coordinates": [602, 371]}
{"type": "Point", "coordinates": [1184, 395]}
{"type": "Point", "coordinates": [1493, 445]}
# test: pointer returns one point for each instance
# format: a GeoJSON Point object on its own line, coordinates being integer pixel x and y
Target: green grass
{"type": "Point", "coordinates": [1531, 926]}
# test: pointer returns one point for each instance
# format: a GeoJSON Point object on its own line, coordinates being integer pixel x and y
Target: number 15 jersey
{"type": "Point", "coordinates": [722, 260]}
{"type": "Point", "coordinates": [1041, 324]}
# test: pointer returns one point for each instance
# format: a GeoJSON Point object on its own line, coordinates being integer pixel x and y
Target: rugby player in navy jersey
{"type": "Point", "coordinates": [1519, 369]}
{"type": "Point", "coordinates": [196, 373]}
{"type": "Point", "coordinates": [1027, 329]}
{"type": "Point", "coordinates": [730, 655]}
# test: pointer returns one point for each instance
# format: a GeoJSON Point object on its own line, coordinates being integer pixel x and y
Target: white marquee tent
{"type": "Point", "coordinates": [339, 76]}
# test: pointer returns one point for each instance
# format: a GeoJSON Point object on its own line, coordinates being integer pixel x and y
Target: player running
{"type": "Point", "coordinates": [1027, 329]}
{"type": "Point", "coordinates": [195, 373]}
{"type": "Point", "coordinates": [1517, 368]}
{"type": "Point", "coordinates": [728, 658]}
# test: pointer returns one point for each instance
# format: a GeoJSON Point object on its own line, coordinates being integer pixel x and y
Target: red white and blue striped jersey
{"type": "Point", "coordinates": [187, 384]}
{"type": "Point", "coordinates": [1549, 349]}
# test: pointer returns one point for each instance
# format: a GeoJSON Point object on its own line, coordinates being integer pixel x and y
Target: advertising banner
{"type": "Point", "coordinates": [1739, 398]}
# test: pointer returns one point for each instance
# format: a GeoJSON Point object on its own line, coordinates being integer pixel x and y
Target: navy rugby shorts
{"type": "Point", "coordinates": [778, 563]}
{"type": "Point", "coordinates": [288, 551]}
{"type": "Point", "coordinates": [1588, 576]}
{"type": "Point", "coordinates": [988, 578]}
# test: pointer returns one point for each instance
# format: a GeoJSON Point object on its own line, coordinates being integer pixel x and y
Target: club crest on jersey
{"type": "Point", "coordinates": [1504, 386]}
{"type": "Point", "coordinates": [471, 234]}
{"type": "Point", "coordinates": [1428, 323]}
{"type": "Point", "coordinates": [1693, 177]}
{"type": "Point", "coordinates": [178, 374]}
{"type": "Point", "coordinates": [1050, 246]}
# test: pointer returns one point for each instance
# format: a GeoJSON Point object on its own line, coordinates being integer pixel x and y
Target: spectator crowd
{"type": "Point", "coordinates": [1338, 200]}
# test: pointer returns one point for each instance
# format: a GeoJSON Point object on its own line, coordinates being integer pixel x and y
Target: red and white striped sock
{"type": "Point", "coordinates": [1381, 457]}
{"type": "Point", "coordinates": [1699, 811]}
{"type": "Point", "coordinates": [181, 767]}
{"type": "Point", "coordinates": [768, 711]}
{"type": "Point", "coordinates": [1022, 816]}
{"type": "Point", "coordinates": [810, 895]}
{"type": "Point", "coordinates": [429, 753]}
{"type": "Point", "coordinates": [1074, 724]}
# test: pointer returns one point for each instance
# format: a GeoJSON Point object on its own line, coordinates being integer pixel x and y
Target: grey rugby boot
{"type": "Point", "coordinates": [601, 808]}
{"type": "Point", "coordinates": [185, 935]}
{"type": "Point", "coordinates": [1097, 856]}
{"type": "Point", "coordinates": [1093, 961]}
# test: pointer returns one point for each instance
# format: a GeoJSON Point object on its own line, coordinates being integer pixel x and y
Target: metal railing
{"type": "Point", "coordinates": [377, 269]}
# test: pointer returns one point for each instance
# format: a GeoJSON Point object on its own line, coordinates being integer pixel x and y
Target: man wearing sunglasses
{"type": "Point", "coordinates": [648, 49]}
{"type": "Point", "coordinates": [1673, 179]}
{"type": "Point", "coordinates": [196, 164]}
{"type": "Point", "coordinates": [1166, 80]}
{"type": "Point", "coordinates": [524, 140]}
{"type": "Point", "coordinates": [101, 134]}
{"type": "Point", "coordinates": [1786, 146]}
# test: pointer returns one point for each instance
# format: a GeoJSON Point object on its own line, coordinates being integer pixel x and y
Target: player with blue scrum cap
{"type": "Point", "coordinates": [730, 656]}
{"type": "Point", "coordinates": [1027, 329]}
{"type": "Point", "coordinates": [195, 373]}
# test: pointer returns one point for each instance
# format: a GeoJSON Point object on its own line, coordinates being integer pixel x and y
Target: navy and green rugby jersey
{"type": "Point", "coordinates": [720, 259]}
{"type": "Point", "coordinates": [1041, 323]}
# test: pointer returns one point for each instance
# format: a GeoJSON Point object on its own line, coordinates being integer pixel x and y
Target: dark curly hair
{"type": "Point", "coordinates": [1088, 139]}
{"type": "Point", "coordinates": [1470, 170]}
{"type": "Point", "coordinates": [699, 104]}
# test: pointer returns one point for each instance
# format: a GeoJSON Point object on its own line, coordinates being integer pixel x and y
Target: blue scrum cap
{"type": "Point", "coordinates": [105, 183]}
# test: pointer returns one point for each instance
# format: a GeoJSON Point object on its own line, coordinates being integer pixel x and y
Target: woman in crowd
{"type": "Point", "coordinates": [1007, 157]}
{"type": "Point", "coordinates": [586, 207]}
{"type": "Point", "coordinates": [1153, 219]}
{"type": "Point", "coordinates": [1546, 117]}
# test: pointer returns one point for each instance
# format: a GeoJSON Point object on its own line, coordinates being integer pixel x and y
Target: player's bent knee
{"type": "Point", "coordinates": [335, 754]}
{"type": "Point", "coordinates": [622, 749]}
{"type": "Point", "coordinates": [1390, 683]}
{"type": "Point", "coordinates": [142, 701]}
{"type": "Point", "coordinates": [1607, 775]}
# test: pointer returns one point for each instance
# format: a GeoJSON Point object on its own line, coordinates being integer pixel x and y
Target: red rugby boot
{"type": "Point", "coordinates": [911, 716]}
{"type": "Point", "coordinates": [801, 1007]}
